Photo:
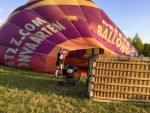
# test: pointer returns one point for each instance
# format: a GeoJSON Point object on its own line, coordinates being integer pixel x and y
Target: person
{"type": "Point", "coordinates": [60, 61]}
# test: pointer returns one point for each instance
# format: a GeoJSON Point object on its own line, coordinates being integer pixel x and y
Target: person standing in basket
{"type": "Point", "coordinates": [60, 61]}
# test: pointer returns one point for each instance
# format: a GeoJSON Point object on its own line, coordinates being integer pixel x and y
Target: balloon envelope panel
{"type": "Point", "coordinates": [35, 32]}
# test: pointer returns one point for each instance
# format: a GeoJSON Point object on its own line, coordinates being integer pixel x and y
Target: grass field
{"type": "Point", "coordinates": [24, 91]}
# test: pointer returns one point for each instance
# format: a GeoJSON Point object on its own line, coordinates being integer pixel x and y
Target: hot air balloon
{"type": "Point", "coordinates": [34, 33]}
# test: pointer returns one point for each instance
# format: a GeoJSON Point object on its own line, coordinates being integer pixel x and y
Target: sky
{"type": "Point", "coordinates": [131, 16]}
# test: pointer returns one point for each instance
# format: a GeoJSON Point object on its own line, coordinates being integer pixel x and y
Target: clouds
{"type": "Point", "coordinates": [1, 22]}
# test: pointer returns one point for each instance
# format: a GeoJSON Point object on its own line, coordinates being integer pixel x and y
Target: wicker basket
{"type": "Point", "coordinates": [119, 78]}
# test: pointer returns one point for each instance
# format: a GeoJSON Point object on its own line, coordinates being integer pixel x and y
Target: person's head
{"type": "Point", "coordinates": [61, 49]}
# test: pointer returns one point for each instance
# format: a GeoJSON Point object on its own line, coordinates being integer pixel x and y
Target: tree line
{"type": "Point", "coordinates": [142, 48]}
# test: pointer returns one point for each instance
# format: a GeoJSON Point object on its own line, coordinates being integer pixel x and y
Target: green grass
{"type": "Point", "coordinates": [24, 91]}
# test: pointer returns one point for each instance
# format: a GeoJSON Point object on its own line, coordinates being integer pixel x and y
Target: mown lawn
{"type": "Point", "coordinates": [24, 91]}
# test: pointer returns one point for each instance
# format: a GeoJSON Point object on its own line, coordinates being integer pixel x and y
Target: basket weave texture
{"type": "Point", "coordinates": [119, 78]}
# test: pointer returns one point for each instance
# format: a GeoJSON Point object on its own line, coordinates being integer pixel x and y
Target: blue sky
{"type": "Point", "coordinates": [131, 16]}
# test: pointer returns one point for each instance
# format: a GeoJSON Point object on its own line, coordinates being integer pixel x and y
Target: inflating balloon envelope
{"type": "Point", "coordinates": [34, 33]}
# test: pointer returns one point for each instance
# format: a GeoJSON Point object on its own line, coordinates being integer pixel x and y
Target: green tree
{"type": "Point", "coordinates": [130, 39]}
{"type": "Point", "coordinates": [137, 43]}
{"type": "Point", "coordinates": [146, 50]}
